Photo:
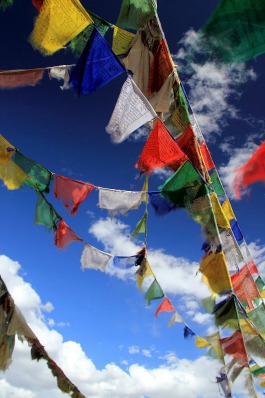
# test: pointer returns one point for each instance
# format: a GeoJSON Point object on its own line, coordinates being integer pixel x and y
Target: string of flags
{"type": "Point", "coordinates": [152, 94]}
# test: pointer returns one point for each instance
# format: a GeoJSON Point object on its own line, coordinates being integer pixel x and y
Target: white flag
{"type": "Point", "coordinates": [61, 73]}
{"type": "Point", "coordinates": [94, 258]}
{"type": "Point", "coordinates": [175, 318]}
{"type": "Point", "coordinates": [132, 111]}
{"type": "Point", "coordinates": [116, 201]}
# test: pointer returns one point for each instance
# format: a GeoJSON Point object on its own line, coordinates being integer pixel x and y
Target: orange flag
{"type": "Point", "coordinates": [64, 235]}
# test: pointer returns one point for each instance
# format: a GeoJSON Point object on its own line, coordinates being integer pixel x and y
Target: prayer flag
{"type": "Point", "coordinates": [20, 78]}
{"type": "Point", "coordinates": [254, 169]}
{"type": "Point", "coordinates": [5, 3]}
{"type": "Point", "coordinates": [117, 201]}
{"type": "Point", "coordinates": [227, 209]}
{"type": "Point", "coordinates": [206, 156]}
{"type": "Point", "coordinates": [216, 183]}
{"type": "Point", "coordinates": [258, 372]}
{"type": "Point", "coordinates": [256, 316]}
{"type": "Point", "coordinates": [223, 381]}
{"type": "Point", "coordinates": [231, 250]}
{"type": "Point", "coordinates": [96, 67]}
{"type": "Point", "coordinates": [131, 111]}
{"type": "Point", "coordinates": [220, 217]}
{"type": "Point", "coordinates": [252, 267]}
{"type": "Point", "coordinates": [134, 13]}
{"type": "Point", "coordinates": [154, 292]}
{"type": "Point", "coordinates": [61, 73]}
{"type": "Point", "coordinates": [184, 186]}
{"type": "Point", "coordinates": [260, 284]}
{"type": "Point", "coordinates": [126, 262]}
{"type": "Point", "coordinates": [189, 145]}
{"type": "Point", "coordinates": [236, 231]}
{"type": "Point", "coordinates": [64, 235]}
{"type": "Point", "coordinates": [78, 43]}
{"type": "Point", "coordinates": [179, 120]}
{"type": "Point", "coordinates": [215, 272]}
{"type": "Point", "coordinates": [37, 4]}
{"type": "Point", "coordinates": [45, 214]}
{"type": "Point", "coordinates": [228, 313]}
{"type": "Point", "coordinates": [160, 204]}
{"type": "Point", "coordinates": [57, 23]}
{"type": "Point", "coordinates": [160, 100]}
{"type": "Point", "coordinates": [38, 177]}
{"type": "Point", "coordinates": [71, 192]}
{"type": "Point", "coordinates": [141, 225]}
{"type": "Point", "coordinates": [244, 286]}
{"type": "Point", "coordinates": [201, 343]}
{"type": "Point", "coordinates": [234, 346]}
{"type": "Point", "coordinates": [165, 306]}
{"type": "Point", "coordinates": [160, 150]}
{"type": "Point", "coordinates": [144, 271]}
{"type": "Point", "coordinates": [174, 319]}
{"type": "Point", "coordinates": [188, 333]}
{"type": "Point", "coordinates": [12, 175]}
{"type": "Point", "coordinates": [236, 30]}
{"type": "Point", "coordinates": [122, 40]}
{"type": "Point", "coordinates": [161, 67]}
{"type": "Point", "coordinates": [92, 258]}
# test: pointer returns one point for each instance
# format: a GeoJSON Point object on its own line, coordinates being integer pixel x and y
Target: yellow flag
{"type": "Point", "coordinates": [201, 343]}
{"type": "Point", "coordinates": [145, 189]}
{"type": "Point", "coordinates": [144, 271]}
{"type": "Point", "coordinates": [227, 209]}
{"type": "Point", "coordinates": [221, 219]}
{"type": "Point", "coordinates": [59, 21]}
{"type": "Point", "coordinates": [12, 176]}
{"type": "Point", "coordinates": [215, 272]}
{"type": "Point", "coordinates": [122, 40]}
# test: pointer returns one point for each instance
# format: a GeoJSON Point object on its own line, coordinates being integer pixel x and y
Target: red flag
{"type": "Point", "coordinates": [206, 156]}
{"type": "Point", "coordinates": [188, 143]}
{"type": "Point", "coordinates": [71, 192]}
{"type": "Point", "coordinates": [160, 150]}
{"type": "Point", "coordinates": [234, 346]}
{"type": "Point", "coordinates": [165, 306]}
{"type": "Point", "coordinates": [64, 235]}
{"type": "Point", "coordinates": [252, 267]}
{"type": "Point", "coordinates": [161, 68]}
{"type": "Point", "coordinates": [37, 4]}
{"type": "Point", "coordinates": [244, 286]}
{"type": "Point", "coordinates": [252, 171]}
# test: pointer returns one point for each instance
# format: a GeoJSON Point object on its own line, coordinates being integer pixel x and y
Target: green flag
{"type": "Point", "coordinates": [217, 185]}
{"type": "Point", "coordinates": [45, 214]}
{"type": "Point", "coordinates": [134, 13]}
{"type": "Point", "coordinates": [141, 225]}
{"type": "Point", "coordinates": [154, 292]}
{"type": "Point", "coordinates": [184, 186]}
{"type": "Point", "coordinates": [39, 177]}
{"type": "Point", "coordinates": [78, 43]}
{"type": "Point", "coordinates": [236, 30]}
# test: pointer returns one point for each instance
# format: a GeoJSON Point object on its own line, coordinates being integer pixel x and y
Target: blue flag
{"type": "Point", "coordinates": [160, 204]}
{"type": "Point", "coordinates": [96, 67]}
{"type": "Point", "coordinates": [236, 231]}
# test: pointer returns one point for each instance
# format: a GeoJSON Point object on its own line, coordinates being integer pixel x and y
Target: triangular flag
{"type": "Point", "coordinates": [160, 150]}
{"type": "Point", "coordinates": [235, 31]}
{"type": "Point", "coordinates": [134, 13]}
{"type": "Point", "coordinates": [131, 111]}
{"type": "Point", "coordinates": [57, 23]}
{"type": "Point", "coordinates": [45, 214]}
{"type": "Point", "coordinates": [154, 292]}
{"type": "Point", "coordinates": [141, 226]}
{"type": "Point", "coordinates": [37, 3]}
{"type": "Point", "coordinates": [188, 333]}
{"type": "Point", "coordinates": [165, 306]}
{"type": "Point", "coordinates": [206, 156]}
{"type": "Point", "coordinates": [64, 235]}
{"type": "Point", "coordinates": [96, 66]}
{"type": "Point", "coordinates": [71, 192]}
{"type": "Point", "coordinates": [174, 319]}
{"type": "Point", "coordinates": [122, 40]}
{"type": "Point", "coordinates": [201, 343]}
{"type": "Point", "coordinates": [144, 271]}
{"type": "Point", "coordinates": [93, 258]}
{"type": "Point", "coordinates": [227, 209]}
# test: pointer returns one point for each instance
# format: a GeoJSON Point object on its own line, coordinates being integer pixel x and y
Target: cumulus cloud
{"type": "Point", "coordinates": [210, 87]}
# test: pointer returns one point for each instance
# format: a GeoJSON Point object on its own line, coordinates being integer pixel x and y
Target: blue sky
{"type": "Point", "coordinates": [96, 325]}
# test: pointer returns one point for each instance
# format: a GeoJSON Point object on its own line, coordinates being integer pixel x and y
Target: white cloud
{"type": "Point", "coordinates": [134, 349]}
{"type": "Point", "coordinates": [210, 86]}
{"type": "Point", "coordinates": [176, 275]}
